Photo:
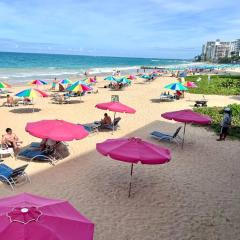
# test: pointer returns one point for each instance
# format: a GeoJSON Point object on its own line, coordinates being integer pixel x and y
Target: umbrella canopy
{"type": "Point", "coordinates": [79, 86]}
{"type": "Point", "coordinates": [131, 77]}
{"type": "Point", "coordinates": [110, 78]}
{"type": "Point", "coordinates": [26, 216]}
{"type": "Point", "coordinates": [38, 82]}
{"type": "Point", "coordinates": [146, 76]}
{"type": "Point", "coordinates": [183, 74]}
{"type": "Point", "coordinates": [89, 80]}
{"type": "Point", "coordinates": [190, 85]}
{"type": "Point", "coordinates": [31, 93]}
{"type": "Point", "coordinates": [187, 116]}
{"type": "Point", "coordinates": [4, 85]}
{"type": "Point", "coordinates": [133, 150]}
{"type": "Point", "coordinates": [115, 107]}
{"type": "Point", "coordinates": [123, 80]}
{"type": "Point", "coordinates": [57, 130]}
{"type": "Point", "coordinates": [65, 81]}
{"type": "Point", "coordinates": [176, 87]}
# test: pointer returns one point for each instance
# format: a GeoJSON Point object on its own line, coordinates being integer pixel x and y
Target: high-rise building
{"type": "Point", "coordinates": [215, 50]}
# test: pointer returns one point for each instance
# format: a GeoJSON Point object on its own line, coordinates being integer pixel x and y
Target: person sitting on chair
{"type": "Point", "coordinates": [106, 120]}
{"type": "Point", "coordinates": [11, 139]}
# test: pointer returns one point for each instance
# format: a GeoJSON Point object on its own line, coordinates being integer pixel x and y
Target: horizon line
{"type": "Point", "coordinates": [84, 55]}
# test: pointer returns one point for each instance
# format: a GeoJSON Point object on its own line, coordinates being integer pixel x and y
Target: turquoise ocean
{"type": "Point", "coordinates": [22, 67]}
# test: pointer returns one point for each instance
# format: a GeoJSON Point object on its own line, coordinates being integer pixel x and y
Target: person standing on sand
{"type": "Point", "coordinates": [225, 124]}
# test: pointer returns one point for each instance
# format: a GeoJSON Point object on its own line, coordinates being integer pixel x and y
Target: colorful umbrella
{"type": "Point", "coordinates": [134, 150]}
{"type": "Point", "coordinates": [89, 81]}
{"type": "Point", "coordinates": [115, 107]}
{"type": "Point", "coordinates": [190, 85]}
{"type": "Point", "coordinates": [38, 82]}
{"type": "Point", "coordinates": [57, 130]}
{"type": "Point", "coordinates": [110, 78]}
{"type": "Point", "coordinates": [176, 87]}
{"type": "Point", "coordinates": [4, 85]}
{"type": "Point", "coordinates": [26, 216]}
{"type": "Point", "coordinates": [79, 86]}
{"type": "Point", "coordinates": [65, 81]}
{"type": "Point", "coordinates": [31, 93]}
{"type": "Point", "coordinates": [131, 77]}
{"type": "Point", "coordinates": [187, 116]}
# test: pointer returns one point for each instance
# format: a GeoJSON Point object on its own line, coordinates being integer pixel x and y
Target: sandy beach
{"type": "Point", "coordinates": [194, 196]}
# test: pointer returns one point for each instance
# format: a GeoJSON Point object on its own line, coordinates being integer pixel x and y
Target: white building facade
{"type": "Point", "coordinates": [215, 50]}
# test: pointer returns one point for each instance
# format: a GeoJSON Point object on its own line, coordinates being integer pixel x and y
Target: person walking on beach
{"type": "Point", "coordinates": [225, 124]}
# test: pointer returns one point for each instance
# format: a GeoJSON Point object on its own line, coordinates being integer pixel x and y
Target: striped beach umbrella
{"type": "Point", "coordinates": [4, 85]}
{"type": "Point", "coordinates": [38, 82]}
{"type": "Point", "coordinates": [79, 86]}
{"type": "Point", "coordinates": [176, 87]}
{"type": "Point", "coordinates": [65, 81]}
{"type": "Point", "coordinates": [31, 93]}
{"type": "Point", "coordinates": [89, 80]}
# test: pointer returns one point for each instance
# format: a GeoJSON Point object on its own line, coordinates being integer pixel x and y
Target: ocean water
{"type": "Point", "coordinates": [22, 67]}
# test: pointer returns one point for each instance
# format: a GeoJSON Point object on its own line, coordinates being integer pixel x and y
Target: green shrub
{"type": "Point", "coordinates": [219, 85]}
{"type": "Point", "coordinates": [216, 113]}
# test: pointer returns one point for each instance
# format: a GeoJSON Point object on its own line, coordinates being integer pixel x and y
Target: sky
{"type": "Point", "coordinates": [133, 28]}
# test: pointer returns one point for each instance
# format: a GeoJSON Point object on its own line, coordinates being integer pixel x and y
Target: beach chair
{"type": "Point", "coordinates": [114, 126]}
{"type": "Point", "coordinates": [166, 98]}
{"type": "Point", "coordinates": [13, 177]}
{"type": "Point", "coordinates": [92, 127]}
{"type": "Point", "coordinates": [5, 150]}
{"type": "Point", "coordinates": [51, 155]}
{"type": "Point", "coordinates": [166, 137]}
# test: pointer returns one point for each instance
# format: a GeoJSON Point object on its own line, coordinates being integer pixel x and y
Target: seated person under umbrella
{"type": "Point", "coordinates": [106, 120]}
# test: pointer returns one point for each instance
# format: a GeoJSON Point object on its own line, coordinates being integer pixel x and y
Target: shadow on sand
{"type": "Point", "coordinates": [25, 110]}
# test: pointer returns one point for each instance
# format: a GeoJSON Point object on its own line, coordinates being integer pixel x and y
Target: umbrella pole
{"type": "Point", "coordinates": [113, 122]}
{"type": "Point", "coordinates": [130, 184]}
{"type": "Point", "coordinates": [184, 134]}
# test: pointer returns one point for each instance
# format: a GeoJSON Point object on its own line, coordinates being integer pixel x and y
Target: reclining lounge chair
{"type": "Point", "coordinates": [166, 137]}
{"type": "Point", "coordinates": [112, 126]}
{"type": "Point", "coordinates": [13, 176]}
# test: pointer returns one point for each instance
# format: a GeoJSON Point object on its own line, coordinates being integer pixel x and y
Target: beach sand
{"type": "Point", "coordinates": [194, 196]}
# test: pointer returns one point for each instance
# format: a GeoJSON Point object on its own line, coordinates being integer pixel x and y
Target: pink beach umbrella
{"type": "Point", "coordinates": [57, 130]}
{"type": "Point", "coordinates": [115, 107]}
{"type": "Point", "coordinates": [187, 116]}
{"type": "Point", "coordinates": [29, 217]}
{"type": "Point", "coordinates": [131, 77]}
{"type": "Point", "coordinates": [134, 150]}
{"type": "Point", "coordinates": [190, 85]}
